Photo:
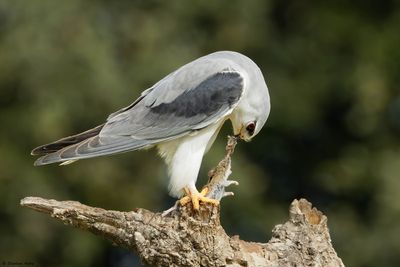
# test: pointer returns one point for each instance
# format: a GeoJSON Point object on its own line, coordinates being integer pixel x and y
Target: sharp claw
{"type": "Point", "coordinates": [228, 194]}
{"type": "Point", "coordinates": [230, 182]}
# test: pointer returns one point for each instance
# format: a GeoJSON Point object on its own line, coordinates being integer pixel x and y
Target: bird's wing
{"type": "Point", "coordinates": [193, 109]}
{"type": "Point", "coordinates": [187, 100]}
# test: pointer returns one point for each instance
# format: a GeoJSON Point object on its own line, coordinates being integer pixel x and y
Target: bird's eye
{"type": "Point", "coordinates": [250, 128]}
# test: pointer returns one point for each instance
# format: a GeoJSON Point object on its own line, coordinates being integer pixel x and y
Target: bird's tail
{"type": "Point", "coordinates": [85, 145]}
{"type": "Point", "coordinates": [66, 141]}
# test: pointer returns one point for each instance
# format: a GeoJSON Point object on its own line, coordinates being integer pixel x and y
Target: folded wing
{"type": "Point", "coordinates": [187, 100]}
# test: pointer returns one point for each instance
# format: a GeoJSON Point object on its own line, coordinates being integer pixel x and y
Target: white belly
{"type": "Point", "coordinates": [184, 155]}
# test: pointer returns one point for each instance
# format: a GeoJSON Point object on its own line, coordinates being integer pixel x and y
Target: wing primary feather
{"type": "Point", "coordinates": [68, 162]}
{"type": "Point", "coordinates": [66, 141]}
{"type": "Point", "coordinates": [83, 151]}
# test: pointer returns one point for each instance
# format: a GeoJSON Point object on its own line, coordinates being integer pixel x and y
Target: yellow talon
{"type": "Point", "coordinates": [196, 197]}
{"type": "Point", "coordinates": [204, 191]}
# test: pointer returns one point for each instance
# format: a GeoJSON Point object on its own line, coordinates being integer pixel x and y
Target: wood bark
{"type": "Point", "coordinates": [184, 237]}
{"type": "Point", "coordinates": [188, 238]}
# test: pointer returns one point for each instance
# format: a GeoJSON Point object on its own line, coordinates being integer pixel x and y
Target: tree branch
{"type": "Point", "coordinates": [185, 238]}
{"type": "Point", "coordinates": [196, 238]}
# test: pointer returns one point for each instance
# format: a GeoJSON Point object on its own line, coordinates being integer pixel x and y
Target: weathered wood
{"type": "Point", "coordinates": [184, 237]}
{"type": "Point", "coordinates": [187, 238]}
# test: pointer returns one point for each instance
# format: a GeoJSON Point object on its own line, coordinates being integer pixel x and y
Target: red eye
{"type": "Point", "coordinates": [250, 128]}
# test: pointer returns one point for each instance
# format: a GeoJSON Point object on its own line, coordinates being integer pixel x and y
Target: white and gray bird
{"type": "Point", "coordinates": [181, 115]}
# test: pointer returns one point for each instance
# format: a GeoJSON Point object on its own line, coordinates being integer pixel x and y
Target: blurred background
{"type": "Point", "coordinates": [333, 136]}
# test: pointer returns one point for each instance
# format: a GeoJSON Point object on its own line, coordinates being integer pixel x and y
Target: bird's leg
{"type": "Point", "coordinates": [195, 197]}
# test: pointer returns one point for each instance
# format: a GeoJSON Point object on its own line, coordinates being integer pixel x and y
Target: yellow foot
{"type": "Point", "coordinates": [196, 197]}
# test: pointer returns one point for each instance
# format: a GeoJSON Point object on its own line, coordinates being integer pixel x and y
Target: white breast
{"type": "Point", "coordinates": [184, 156]}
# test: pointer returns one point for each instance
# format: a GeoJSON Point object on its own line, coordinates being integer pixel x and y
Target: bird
{"type": "Point", "coordinates": [181, 115]}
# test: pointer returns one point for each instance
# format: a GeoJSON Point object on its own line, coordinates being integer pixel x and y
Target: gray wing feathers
{"type": "Point", "coordinates": [92, 147]}
{"type": "Point", "coordinates": [187, 77]}
{"type": "Point", "coordinates": [187, 100]}
{"type": "Point", "coordinates": [66, 141]}
{"type": "Point", "coordinates": [193, 109]}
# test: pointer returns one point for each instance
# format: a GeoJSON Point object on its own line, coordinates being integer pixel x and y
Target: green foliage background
{"type": "Point", "coordinates": [332, 68]}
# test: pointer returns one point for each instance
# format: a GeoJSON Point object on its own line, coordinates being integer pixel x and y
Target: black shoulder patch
{"type": "Point", "coordinates": [221, 90]}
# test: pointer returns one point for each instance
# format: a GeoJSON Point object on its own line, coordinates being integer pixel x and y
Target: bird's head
{"type": "Point", "coordinates": [247, 131]}
{"type": "Point", "coordinates": [247, 120]}
{"type": "Point", "coordinates": [252, 112]}
{"type": "Point", "coordinates": [253, 108]}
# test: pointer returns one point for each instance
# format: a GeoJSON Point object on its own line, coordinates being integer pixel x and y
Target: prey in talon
{"type": "Point", "coordinates": [218, 177]}
{"type": "Point", "coordinates": [214, 190]}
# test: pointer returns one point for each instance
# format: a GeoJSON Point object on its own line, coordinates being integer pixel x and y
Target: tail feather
{"type": "Point", "coordinates": [94, 146]}
{"type": "Point", "coordinates": [65, 142]}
